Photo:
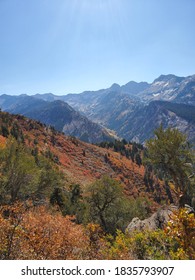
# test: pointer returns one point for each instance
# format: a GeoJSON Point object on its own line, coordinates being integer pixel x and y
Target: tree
{"type": "Point", "coordinates": [24, 175]}
{"type": "Point", "coordinates": [108, 205]}
{"type": "Point", "coordinates": [4, 131]}
{"type": "Point", "coordinates": [138, 159]}
{"type": "Point", "coordinates": [172, 159]}
{"type": "Point", "coordinates": [19, 172]}
{"type": "Point", "coordinates": [50, 177]}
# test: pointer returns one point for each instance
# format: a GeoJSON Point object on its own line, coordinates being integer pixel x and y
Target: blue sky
{"type": "Point", "coordinates": [64, 46]}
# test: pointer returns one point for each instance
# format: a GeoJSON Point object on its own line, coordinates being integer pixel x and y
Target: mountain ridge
{"type": "Point", "coordinates": [58, 114]}
{"type": "Point", "coordinates": [126, 109]}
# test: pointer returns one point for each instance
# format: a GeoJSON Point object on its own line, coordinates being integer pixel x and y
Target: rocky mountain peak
{"type": "Point", "coordinates": [115, 87]}
{"type": "Point", "coordinates": [167, 78]}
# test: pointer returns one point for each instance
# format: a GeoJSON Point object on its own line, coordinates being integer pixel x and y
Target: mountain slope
{"type": "Point", "coordinates": [58, 114]}
{"type": "Point", "coordinates": [140, 125]}
{"type": "Point", "coordinates": [81, 162]}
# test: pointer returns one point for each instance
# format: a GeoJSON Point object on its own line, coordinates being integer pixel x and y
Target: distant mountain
{"type": "Point", "coordinates": [140, 125]}
{"type": "Point", "coordinates": [134, 88]}
{"type": "Point", "coordinates": [57, 114]}
{"type": "Point", "coordinates": [165, 88]}
{"type": "Point", "coordinates": [132, 110]}
{"type": "Point", "coordinates": [171, 88]}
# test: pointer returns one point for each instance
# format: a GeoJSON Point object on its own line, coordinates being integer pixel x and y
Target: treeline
{"type": "Point", "coordinates": [137, 153]}
{"type": "Point", "coordinates": [8, 127]}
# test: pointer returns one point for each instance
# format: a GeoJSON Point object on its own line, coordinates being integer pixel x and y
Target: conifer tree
{"type": "Point", "coordinates": [172, 159]}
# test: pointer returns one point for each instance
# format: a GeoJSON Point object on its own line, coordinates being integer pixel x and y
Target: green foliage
{"type": "Point", "coordinates": [49, 177]}
{"type": "Point", "coordinates": [4, 131]}
{"type": "Point", "coordinates": [175, 242]}
{"type": "Point", "coordinates": [139, 207]}
{"type": "Point", "coordinates": [24, 174]}
{"type": "Point", "coordinates": [110, 208]}
{"type": "Point", "coordinates": [19, 173]}
{"type": "Point", "coordinates": [138, 159]}
{"type": "Point", "coordinates": [171, 157]}
{"type": "Point", "coordinates": [131, 151]}
{"type": "Point", "coordinates": [57, 198]}
{"type": "Point", "coordinates": [71, 202]}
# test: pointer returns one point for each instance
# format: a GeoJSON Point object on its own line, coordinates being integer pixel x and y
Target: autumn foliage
{"type": "Point", "coordinates": [61, 198]}
{"type": "Point", "coordinates": [38, 234]}
{"type": "Point", "coordinates": [28, 232]}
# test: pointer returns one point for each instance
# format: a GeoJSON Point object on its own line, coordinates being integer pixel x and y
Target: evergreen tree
{"type": "Point", "coordinates": [4, 131]}
{"type": "Point", "coordinates": [173, 159]}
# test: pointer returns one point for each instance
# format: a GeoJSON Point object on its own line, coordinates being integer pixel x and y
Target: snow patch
{"type": "Point", "coordinates": [156, 94]}
{"type": "Point", "coordinates": [158, 83]}
{"type": "Point", "coordinates": [165, 85]}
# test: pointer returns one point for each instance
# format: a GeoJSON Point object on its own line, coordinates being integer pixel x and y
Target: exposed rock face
{"type": "Point", "coordinates": [156, 221]}
{"type": "Point", "coordinates": [140, 124]}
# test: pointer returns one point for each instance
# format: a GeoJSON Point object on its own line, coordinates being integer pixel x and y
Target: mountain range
{"type": "Point", "coordinates": [131, 111]}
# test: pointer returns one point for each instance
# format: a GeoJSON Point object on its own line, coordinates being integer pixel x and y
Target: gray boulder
{"type": "Point", "coordinates": [156, 221]}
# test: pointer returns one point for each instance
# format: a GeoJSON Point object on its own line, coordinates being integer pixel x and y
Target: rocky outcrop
{"type": "Point", "coordinates": [157, 221]}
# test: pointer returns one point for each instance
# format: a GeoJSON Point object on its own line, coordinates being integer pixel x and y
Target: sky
{"type": "Point", "coordinates": [69, 46]}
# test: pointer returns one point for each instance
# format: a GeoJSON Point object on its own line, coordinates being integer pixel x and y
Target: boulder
{"type": "Point", "coordinates": [156, 221]}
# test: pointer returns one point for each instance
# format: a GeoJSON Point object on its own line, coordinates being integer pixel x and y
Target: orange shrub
{"type": "Point", "coordinates": [37, 234]}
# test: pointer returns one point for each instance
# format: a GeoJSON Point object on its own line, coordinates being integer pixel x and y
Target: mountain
{"type": "Point", "coordinates": [165, 88]}
{"type": "Point", "coordinates": [140, 125]}
{"type": "Point", "coordinates": [171, 88]}
{"type": "Point", "coordinates": [134, 88]}
{"type": "Point", "coordinates": [57, 114]}
{"type": "Point", "coordinates": [131, 110]}
{"type": "Point", "coordinates": [107, 107]}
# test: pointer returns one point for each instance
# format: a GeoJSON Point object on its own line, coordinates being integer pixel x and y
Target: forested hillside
{"type": "Point", "coordinates": [56, 191]}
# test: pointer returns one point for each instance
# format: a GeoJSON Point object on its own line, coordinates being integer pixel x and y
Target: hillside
{"type": "Point", "coordinates": [45, 215]}
{"type": "Point", "coordinates": [81, 162]}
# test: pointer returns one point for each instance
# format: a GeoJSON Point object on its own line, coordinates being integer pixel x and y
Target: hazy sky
{"type": "Point", "coordinates": [64, 46]}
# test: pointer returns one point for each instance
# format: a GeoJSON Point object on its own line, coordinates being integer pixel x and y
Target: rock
{"type": "Point", "coordinates": [156, 221]}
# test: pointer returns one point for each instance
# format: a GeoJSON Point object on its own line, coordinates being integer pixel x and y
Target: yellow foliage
{"type": "Point", "coordinates": [182, 229]}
